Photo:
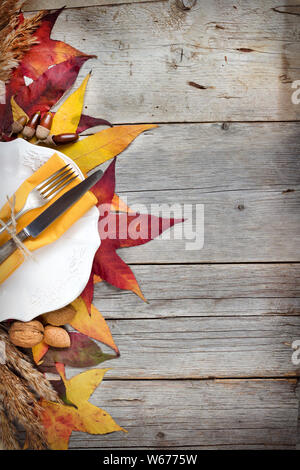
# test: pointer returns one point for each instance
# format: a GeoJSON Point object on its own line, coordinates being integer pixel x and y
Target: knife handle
{"type": "Point", "coordinates": [10, 247]}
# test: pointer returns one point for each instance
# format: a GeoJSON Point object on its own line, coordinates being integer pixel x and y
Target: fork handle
{"type": "Point", "coordinates": [17, 216]}
{"type": "Point", "coordinates": [10, 247]}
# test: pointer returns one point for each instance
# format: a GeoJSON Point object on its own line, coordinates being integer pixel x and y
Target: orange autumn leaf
{"type": "Point", "coordinates": [59, 420]}
{"type": "Point", "coordinates": [97, 279]}
{"type": "Point", "coordinates": [117, 205]}
{"type": "Point", "coordinates": [39, 351]}
{"type": "Point", "coordinates": [102, 146]}
{"type": "Point", "coordinates": [93, 324]}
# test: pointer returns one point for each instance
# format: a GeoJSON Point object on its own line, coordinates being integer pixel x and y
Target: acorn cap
{"type": "Point", "coordinates": [28, 132]}
{"type": "Point", "coordinates": [42, 132]}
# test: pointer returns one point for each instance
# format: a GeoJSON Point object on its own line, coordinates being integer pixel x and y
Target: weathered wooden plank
{"type": "Point", "coordinates": [223, 333]}
{"type": "Point", "coordinates": [205, 291]}
{"type": "Point", "coordinates": [214, 281]}
{"type": "Point", "coordinates": [32, 5]}
{"type": "Point", "coordinates": [124, 305]}
{"type": "Point", "coordinates": [195, 414]}
{"type": "Point", "coordinates": [219, 167]}
{"type": "Point", "coordinates": [239, 226]}
{"type": "Point", "coordinates": [205, 347]}
{"type": "Point", "coordinates": [212, 157]}
{"type": "Point", "coordinates": [242, 60]}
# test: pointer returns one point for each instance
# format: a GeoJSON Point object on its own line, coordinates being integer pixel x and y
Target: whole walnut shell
{"type": "Point", "coordinates": [60, 317]}
{"type": "Point", "coordinates": [26, 334]}
{"type": "Point", "coordinates": [57, 337]}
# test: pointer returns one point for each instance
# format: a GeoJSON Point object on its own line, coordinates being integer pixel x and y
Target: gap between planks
{"type": "Point", "coordinates": [207, 263]}
{"type": "Point", "coordinates": [219, 379]}
{"type": "Point", "coordinates": [176, 123]}
{"type": "Point", "coordinates": [64, 4]}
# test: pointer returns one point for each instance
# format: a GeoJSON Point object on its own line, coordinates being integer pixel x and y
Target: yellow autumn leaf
{"type": "Point", "coordinates": [60, 420]}
{"type": "Point", "coordinates": [102, 146]}
{"type": "Point", "coordinates": [17, 111]}
{"type": "Point", "coordinates": [93, 324]}
{"type": "Point", "coordinates": [67, 117]}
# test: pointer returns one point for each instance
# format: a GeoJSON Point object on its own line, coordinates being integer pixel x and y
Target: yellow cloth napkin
{"type": "Point", "coordinates": [56, 229]}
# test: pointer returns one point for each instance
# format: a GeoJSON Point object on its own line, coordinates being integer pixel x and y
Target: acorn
{"type": "Point", "coordinates": [43, 129]}
{"type": "Point", "coordinates": [29, 130]}
{"type": "Point", "coordinates": [61, 139]}
{"type": "Point", "coordinates": [18, 125]}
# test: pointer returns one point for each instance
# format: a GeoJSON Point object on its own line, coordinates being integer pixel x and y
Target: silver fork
{"type": "Point", "coordinates": [46, 190]}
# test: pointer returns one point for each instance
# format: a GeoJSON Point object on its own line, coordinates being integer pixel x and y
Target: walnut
{"type": "Point", "coordinates": [26, 334]}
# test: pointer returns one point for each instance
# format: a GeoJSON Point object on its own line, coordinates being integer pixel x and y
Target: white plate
{"type": "Point", "coordinates": [59, 271]}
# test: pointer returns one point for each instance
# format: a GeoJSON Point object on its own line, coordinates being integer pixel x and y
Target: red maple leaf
{"type": "Point", "coordinates": [46, 90]}
{"type": "Point", "coordinates": [36, 62]}
{"type": "Point", "coordinates": [47, 52]}
{"type": "Point", "coordinates": [119, 230]}
{"type": "Point", "coordinates": [86, 122]}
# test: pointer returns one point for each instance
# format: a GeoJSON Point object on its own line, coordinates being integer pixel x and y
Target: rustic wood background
{"type": "Point", "coordinates": [207, 363]}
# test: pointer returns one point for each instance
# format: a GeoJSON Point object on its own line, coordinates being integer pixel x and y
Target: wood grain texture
{"type": "Point", "coordinates": [205, 347]}
{"type": "Point", "coordinates": [219, 62]}
{"type": "Point", "coordinates": [213, 157]}
{"type": "Point", "coordinates": [205, 291]}
{"type": "Point", "coordinates": [239, 226]}
{"type": "Point", "coordinates": [246, 176]}
{"type": "Point", "coordinates": [32, 5]}
{"type": "Point", "coordinates": [211, 63]}
{"type": "Point", "coordinates": [220, 414]}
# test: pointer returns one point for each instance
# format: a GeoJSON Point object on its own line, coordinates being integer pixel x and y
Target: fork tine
{"type": "Point", "coordinates": [40, 185]}
{"type": "Point", "coordinates": [56, 186]}
{"type": "Point", "coordinates": [51, 196]}
{"type": "Point", "coordinates": [53, 183]}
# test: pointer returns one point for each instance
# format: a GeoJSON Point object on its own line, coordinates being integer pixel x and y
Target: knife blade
{"type": "Point", "coordinates": [46, 218]}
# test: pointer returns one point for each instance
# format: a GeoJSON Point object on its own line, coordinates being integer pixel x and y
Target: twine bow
{"type": "Point", "coordinates": [13, 231]}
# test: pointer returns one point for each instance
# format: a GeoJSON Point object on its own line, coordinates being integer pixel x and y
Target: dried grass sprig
{"type": "Point", "coordinates": [20, 405]}
{"type": "Point", "coordinates": [8, 432]}
{"type": "Point", "coordinates": [21, 383]}
{"type": "Point", "coordinates": [8, 10]}
{"type": "Point", "coordinates": [15, 40]}
{"type": "Point", "coordinates": [20, 362]}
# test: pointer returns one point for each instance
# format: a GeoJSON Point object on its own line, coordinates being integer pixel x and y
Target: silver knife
{"type": "Point", "coordinates": [38, 225]}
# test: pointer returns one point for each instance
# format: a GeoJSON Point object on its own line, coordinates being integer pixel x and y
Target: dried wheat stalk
{"type": "Point", "coordinates": [21, 405]}
{"type": "Point", "coordinates": [9, 9]}
{"type": "Point", "coordinates": [15, 38]}
{"type": "Point", "coordinates": [20, 384]}
{"type": "Point", "coordinates": [8, 432]}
